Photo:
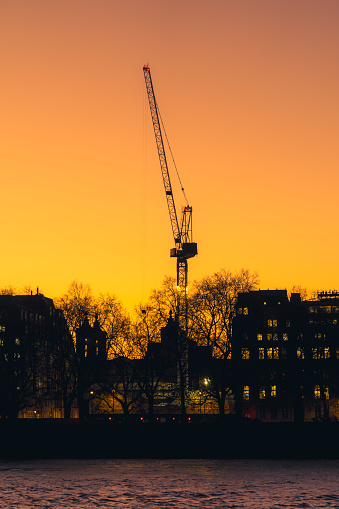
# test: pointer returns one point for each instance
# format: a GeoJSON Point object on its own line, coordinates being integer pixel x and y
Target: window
{"type": "Point", "coordinates": [1, 342]}
{"type": "Point", "coordinates": [246, 393]}
{"type": "Point", "coordinates": [85, 350]}
{"type": "Point", "coordinates": [288, 323]}
{"type": "Point", "coordinates": [270, 353]}
{"type": "Point", "coordinates": [2, 328]}
{"type": "Point", "coordinates": [276, 353]}
{"type": "Point", "coordinates": [269, 337]}
{"type": "Point", "coordinates": [283, 353]}
{"type": "Point", "coordinates": [262, 412]}
{"type": "Point", "coordinates": [285, 413]}
{"type": "Point", "coordinates": [326, 352]}
{"type": "Point", "coordinates": [337, 353]}
{"type": "Point", "coordinates": [262, 392]}
{"type": "Point", "coordinates": [275, 337]}
{"type": "Point", "coordinates": [17, 341]}
{"type": "Point", "coordinates": [273, 391]}
{"type": "Point", "coordinates": [285, 336]}
{"type": "Point", "coordinates": [239, 311]}
{"type": "Point", "coordinates": [315, 353]}
{"type": "Point", "coordinates": [261, 353]}
{"type": "Point", "coordinates": [300, 353]}
{"type": "Point", "coordinates": [259, 337]}
{"type": "Point", "coordinates": [317, 393]}
{"type": "Point", "coordinates": [245, 353]}
{"type": "Point", "coordinates": [245, 311]}
{"type": "Point", "coordinates": [242, 311]}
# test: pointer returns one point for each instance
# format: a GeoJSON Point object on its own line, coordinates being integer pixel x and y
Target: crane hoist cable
{"type": "Point", "coordinates": [169, 147]}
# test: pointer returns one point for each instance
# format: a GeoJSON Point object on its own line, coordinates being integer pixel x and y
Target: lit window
{"type": "Point", "coordinates": [1, 342]}
{"type": "Point", "coordinates": [2, 328]}
{"type": "Point", "coordinates": [300, 353]}
{"type": "Point", "coordinates": [245, 311]}
{"type": "Point", "coordinates": [269, 337]}
{"type": "Point", "coordinates": [239, 311]}
{"type": "Point", "coordinates": [276, 353]}
{"type": "Point", "coordinates": [337, 353]}
{"type": "Point", "coordinates": [273, 391]}
{"type": "Point", "coordinates": [288, 323]}
{"type": "Point", "coordinates": [275, 337]}
{"type": "Point", "coordinates": [261, 353]}
{"type": "Point", "coordinates": [327, 393]}
{"type": "Point", "coordinates": [245, 353]}
{"type": "Point", "coordinates": [259, 337]}
{"type": "Point", "coordinates": [269, 322]}
{"type": "Point", "coordinates": [17, 341]}
{"type": "Point", "coordinates": [312, 309]}
{"type": "Point", "coordinates": [85, 350]}
{"type": "Point", "coordinates": [262, 392]}
{"type": "Point", "coordinates": [270, 353]}
{"type": "Point", "coordinates": [335, 321]}
{"type": "Point", "coordinates": [246, 393]}
{"type": "Point", "coordinates": [285, 336]}
{"type": "Point", "coordinates": [275, 323]}
{"type": "Point", "coordinates": [317, 393]}
{"type": "Point", "coordinates": [314, 353]}
{"type": "Point", "coordinates": [326, 352]}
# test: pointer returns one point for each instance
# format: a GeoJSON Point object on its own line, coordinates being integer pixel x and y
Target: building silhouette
{"type": "Point", "coordinates": [285, 356]}
{"type": "Point", "coordinates": [34, 345]}
{"type": "Point", "coordinates": [284, 364]}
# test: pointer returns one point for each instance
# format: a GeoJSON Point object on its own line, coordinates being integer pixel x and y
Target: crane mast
{"type": "Point", "coordinates": [184, 246]}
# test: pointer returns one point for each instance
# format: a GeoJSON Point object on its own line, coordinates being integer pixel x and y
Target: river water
{"type": "Point", "coordinates": [126, 483]}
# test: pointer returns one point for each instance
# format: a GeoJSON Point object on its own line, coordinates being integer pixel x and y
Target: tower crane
{"type": "Point", "coordinates": [182, 233]}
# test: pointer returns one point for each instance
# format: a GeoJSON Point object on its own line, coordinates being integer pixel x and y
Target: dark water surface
{"type": "Point", "coordinates": [169, 483]}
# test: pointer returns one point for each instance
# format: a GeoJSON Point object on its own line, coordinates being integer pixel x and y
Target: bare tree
{"type": "Point", "coordinates": [77, 304]}
{"type": "Point", "coordinates": [212, 308]}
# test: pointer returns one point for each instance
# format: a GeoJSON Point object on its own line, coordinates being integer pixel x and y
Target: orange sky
{"type": "Point", "coordinates": [248, 91]}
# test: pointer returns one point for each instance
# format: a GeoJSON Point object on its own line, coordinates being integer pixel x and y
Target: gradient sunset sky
{"type": "Point", "coordinates": [248, 91]}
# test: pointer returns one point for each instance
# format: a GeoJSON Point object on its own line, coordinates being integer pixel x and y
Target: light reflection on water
{"type": "Point", "coordinates": [258, 484]}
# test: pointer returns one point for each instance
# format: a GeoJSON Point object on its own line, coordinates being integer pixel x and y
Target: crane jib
{"type": "Point", "coordinates": [184, 247]}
